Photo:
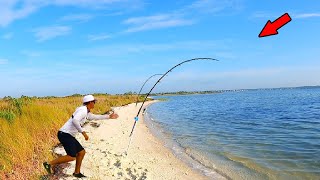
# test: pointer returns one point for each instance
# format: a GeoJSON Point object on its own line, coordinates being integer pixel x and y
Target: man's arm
{"type": "Point", "coordinates": [99, 117]}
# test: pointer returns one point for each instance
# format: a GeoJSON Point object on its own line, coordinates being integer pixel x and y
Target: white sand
{"type": "Point", "coordinates": [147, 157]}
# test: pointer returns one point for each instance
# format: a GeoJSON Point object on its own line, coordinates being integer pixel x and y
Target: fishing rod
{"type": "Point", "coordinates": [170, 70]}
{"type": "Point", "coordinates": [144, 84]}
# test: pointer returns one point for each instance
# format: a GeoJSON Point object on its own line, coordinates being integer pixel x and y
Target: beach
{"type": "Point", "coordinates": [147, 157]}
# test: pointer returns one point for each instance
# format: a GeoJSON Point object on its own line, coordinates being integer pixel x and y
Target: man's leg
{"type": "Point", "coordinates": [79, 159]}
{"type": "Point", "coordinates": [59, 160]}
{"type": "Point", "coordinates": [62, 159]}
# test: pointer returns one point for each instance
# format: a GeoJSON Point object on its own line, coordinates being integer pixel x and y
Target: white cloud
{"type": "Point", "coordinates": [50, 32]}
{"type": "Point", "coordinates": [31, 53]}
{"type": "Point", "coordinates": [276, 15]}
{"type": "Point", "coordinates": [10, 13]}
{"type": "Point", "coordinates": [86, 3]}
{"type": "Point", "coordinates": [264, 15]}
{"type": "Point", "coordinates": [4, 61]}
{"type": "Point", "coordinates": [12, 10]}
{"type": "Point", "coordinates": [126, 50]}
{"type": "Point", "coordinates": [155, 22]}
{"type": "Point", "coordinates": [77, 17]}
{"type": "Point", "coordinates": [180, 17]}
{"type": "Point", "coordinates": [7, 36]}
{"type": "Point", "coordinates": [213, 6]}
{"type": "Point", "coordinates": [98, 37]}
{"type": "Point", "coordinates": [307, 15]}
{"type": "Point", "coordinates": [141, 20]}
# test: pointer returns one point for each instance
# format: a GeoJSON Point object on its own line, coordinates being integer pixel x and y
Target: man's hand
{"type": "Point", "coordinates": [113, 116]}
{"type": "Point", "coordinates": [86, 137]}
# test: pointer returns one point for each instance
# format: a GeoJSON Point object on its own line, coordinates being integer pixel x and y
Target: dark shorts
{"type": "Point", "coordinates": [70, 144]}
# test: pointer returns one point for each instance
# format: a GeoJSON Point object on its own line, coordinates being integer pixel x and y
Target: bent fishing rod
{"type": "Point", "coordinates": [170, 70]}
{"type": "Point", "coordinates": [144, 84]}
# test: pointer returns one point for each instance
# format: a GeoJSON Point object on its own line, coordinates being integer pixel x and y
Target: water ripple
{"type": "Point", "coordinates": [274, 133]}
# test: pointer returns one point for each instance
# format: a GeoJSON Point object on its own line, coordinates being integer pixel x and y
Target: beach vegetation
{"type": "Point", "coordinates": [28, 128]}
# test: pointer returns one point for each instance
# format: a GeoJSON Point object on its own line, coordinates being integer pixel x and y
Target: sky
{"type": "Point", "coordinates": [64, 47]}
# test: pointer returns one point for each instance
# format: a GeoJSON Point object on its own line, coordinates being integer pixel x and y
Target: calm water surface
{"type": "Point", "coordinates": [256, 134]}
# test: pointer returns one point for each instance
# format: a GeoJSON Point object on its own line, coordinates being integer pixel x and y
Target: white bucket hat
{"type": "Point", "coordinates": [88, 98]}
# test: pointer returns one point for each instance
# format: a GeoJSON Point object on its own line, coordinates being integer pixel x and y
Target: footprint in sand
{"type": "Point", "coordinates": [117, 166]}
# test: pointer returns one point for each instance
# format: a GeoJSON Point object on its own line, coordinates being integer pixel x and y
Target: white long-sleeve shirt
{"type": "Point", "coordinates": [78, 118]}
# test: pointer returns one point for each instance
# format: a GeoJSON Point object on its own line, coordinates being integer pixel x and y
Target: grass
{"type": "Point", "coordinates": [7, 115]}
{"type": "Point", "coordinates": [28, 128]}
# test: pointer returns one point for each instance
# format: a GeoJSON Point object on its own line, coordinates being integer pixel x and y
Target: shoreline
{"type": "Point", "coordinates": [147, 157]}
{"type": "Point", "coordinates": [182, 153]}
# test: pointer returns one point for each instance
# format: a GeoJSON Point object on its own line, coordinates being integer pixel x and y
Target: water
{"type": "Point", "coordinates": [256, 134]}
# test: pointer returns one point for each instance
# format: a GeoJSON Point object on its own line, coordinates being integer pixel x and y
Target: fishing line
{"type": "Point", "coordinates": [170, 70]}
{"type": "Point", "coordinates": [144, 84]}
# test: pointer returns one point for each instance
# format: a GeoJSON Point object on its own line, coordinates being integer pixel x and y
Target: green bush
{"type": "Point", "coordinates": [7, 115]}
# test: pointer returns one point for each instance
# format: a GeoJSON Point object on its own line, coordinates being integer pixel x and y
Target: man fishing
{"type": "Point", "coordinates": [68, 131]}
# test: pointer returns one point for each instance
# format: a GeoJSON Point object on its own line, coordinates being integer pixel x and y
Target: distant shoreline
{"type": "Point", "coordinates": [168, 93]}
{"type": "Point", "coordinates": [222, 91]}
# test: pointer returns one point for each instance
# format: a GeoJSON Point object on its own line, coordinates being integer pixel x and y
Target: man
{"type": "Point", "coordinates": [67, 133]}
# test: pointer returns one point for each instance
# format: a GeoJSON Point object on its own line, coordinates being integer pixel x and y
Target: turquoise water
{"type": "Point", "coordinates": [255, 134]}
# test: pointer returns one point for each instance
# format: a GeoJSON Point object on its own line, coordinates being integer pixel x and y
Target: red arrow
{"type": "Point", "coordinates": [271, 27]}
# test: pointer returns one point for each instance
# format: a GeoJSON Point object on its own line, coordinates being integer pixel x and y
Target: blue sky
{"type": "Point", "coordinates": [64, 47]}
